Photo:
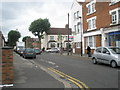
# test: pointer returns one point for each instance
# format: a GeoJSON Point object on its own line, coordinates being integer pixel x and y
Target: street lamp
{"type": "Point", "coordinates": [81, 35]}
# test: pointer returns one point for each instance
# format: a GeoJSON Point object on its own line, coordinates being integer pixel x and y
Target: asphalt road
{"type": "Point", "coordinates": [51, 70]}
{"type": "Point", "coordinates": [82, 69]}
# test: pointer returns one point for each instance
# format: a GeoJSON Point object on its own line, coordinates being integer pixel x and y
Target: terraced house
{"type": "Point", "coordinates": [100, 23]}
{"type": "Point", "coordinates": [57, 37]}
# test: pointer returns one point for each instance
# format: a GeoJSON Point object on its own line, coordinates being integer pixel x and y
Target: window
{"type": "Point", "coordinates": [78, 28]}
{"type": "Point", "coordinates": [91, 7]}
{"type": "Point", "coordinates": [89, 10]}
{"type": "Point", "coordinates": [98, 50]}
{"type": "Point", "coordinates": [114, 1]}
{"type": "Point", "coordinates": [119, 15]}
{"type": "Point", "coordinates": [75, 28]}
{"type": "Point", "coordinates": [105, 51]}
{"type": "Point", "coordinates": [91, 23]}
{"type": "Point", "coordinates": [78, 45]}
{"type": "Point", "coordinates": [77, 14]}
{"type": "Point", "coordinates": [90, 41]}
{"type": "Point", "coordinates": [114, 17]}
{"type": "Point", "coordinates": [51, 37]}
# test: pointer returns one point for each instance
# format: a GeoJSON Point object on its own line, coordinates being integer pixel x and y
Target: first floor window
{"type": "Point", "coordinates": [51, 37]}
{"type": "Point", "coordinates": [114, 17]}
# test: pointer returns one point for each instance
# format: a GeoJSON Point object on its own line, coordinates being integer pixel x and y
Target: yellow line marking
{"type": "Point", "coordinates": [72, 78]}
{"type": "Point", "coordinates": [67, 78]}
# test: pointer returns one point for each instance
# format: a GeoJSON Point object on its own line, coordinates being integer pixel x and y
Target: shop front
{"type": "Point", "coordinates": [114, 38]}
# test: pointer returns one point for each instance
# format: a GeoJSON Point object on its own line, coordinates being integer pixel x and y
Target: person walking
{"type": "Point", "coordinates": [89, 51]}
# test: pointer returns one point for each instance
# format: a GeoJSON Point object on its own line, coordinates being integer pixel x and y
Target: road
{"type": "Point", "coordinates": [77, 72]}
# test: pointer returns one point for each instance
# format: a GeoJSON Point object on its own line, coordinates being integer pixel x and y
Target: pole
{"type": "Point", "coordinates": [68, 36]}
{"type": "Point", "coordinates": [81, 34]}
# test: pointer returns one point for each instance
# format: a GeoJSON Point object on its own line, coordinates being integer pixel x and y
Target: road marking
{"type": "Point", "coordinates": [50, 62]}
{"type": "Point", "coordinates": [75, 81]}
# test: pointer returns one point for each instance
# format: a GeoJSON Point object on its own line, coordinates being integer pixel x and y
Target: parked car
{"type": "Point", "coordinates": [21, 51]}
{"type": "Point", "coordinates": [37, 51]}
{"type": "Point", "coordinates": [107, 55]}
{"type": "Point", "coordinates": [52, 50]}
{"type": "Point", "coordinates": [29, 53]}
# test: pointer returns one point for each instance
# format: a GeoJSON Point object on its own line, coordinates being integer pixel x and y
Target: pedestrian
{"type": "Point", "coordinates": [70, 50]}
{"type": "Point", "coordinates": [89, 51]}
{"type": "Point", "coordinates": [43, 49]}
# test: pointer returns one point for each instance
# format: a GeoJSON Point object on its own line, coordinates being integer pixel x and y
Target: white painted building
{"type": "Point", "coordinates": [56, 37]}
{"type": "Point", "coordinates": [76, 23]}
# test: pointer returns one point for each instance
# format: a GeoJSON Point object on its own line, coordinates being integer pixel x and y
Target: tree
{"type": "Point", "coordinates": [24, 38]}
{"type": "Point", "coordinates": [38, 27]}
{"type": "Point", "coordinates": [13, 37]}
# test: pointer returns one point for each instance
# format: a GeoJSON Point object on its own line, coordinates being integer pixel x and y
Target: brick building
{"type": "Point", "coordinates": [101, 22]}
{"type": "Point", "coordinates": [32, 43]}
{"type": "Point", "coordinates": [2, 40]}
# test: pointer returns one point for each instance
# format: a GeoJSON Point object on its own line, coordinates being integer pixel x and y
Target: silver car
{"type": "Point", "coordinates": [107, 55]}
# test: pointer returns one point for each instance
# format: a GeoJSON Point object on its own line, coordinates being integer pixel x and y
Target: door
{"type": "Point", "coordinates": [105, 56]}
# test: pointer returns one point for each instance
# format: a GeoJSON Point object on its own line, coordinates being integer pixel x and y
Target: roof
{"type": "Point", "coordinates": [57, 31]}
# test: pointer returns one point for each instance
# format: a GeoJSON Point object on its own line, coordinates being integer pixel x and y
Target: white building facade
{"type": "Point", "coordinates": [77, 29]}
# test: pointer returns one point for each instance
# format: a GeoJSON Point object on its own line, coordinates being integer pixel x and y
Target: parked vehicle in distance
{"type": "Point", "coordinates": [21, 51]}
{"type": "Point", "coordinates": [107, 55]}
{"type": "Point", "coordinates": [52, 50]}
{"type": "Point", "coordinates": [19, 46]}
{"type": "Point", "coordinates": [29, 53]}
{"type": "Point", "coordinates": [37, 51]}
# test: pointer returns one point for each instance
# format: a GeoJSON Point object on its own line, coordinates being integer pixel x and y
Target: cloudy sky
{"type": "Point", "coordinates": [18, 14]}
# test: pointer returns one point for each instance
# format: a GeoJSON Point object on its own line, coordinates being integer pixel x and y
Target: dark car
{"type": "Point", "coordinates": [21, 51]}
{"type": "Point", "coordinates": [37, 51]}
{"type": "Point", "coordinates": [29, 53]}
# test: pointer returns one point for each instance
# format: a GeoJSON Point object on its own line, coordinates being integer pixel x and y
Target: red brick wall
{"type": "Point", "coordinates": [7, 66]}
{"type": "Point", "coordinates": [102, 13]}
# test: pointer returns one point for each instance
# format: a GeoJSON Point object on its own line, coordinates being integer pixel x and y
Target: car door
{"type": "Point", "coordinates": [105, 55]}
{"type": "Point", "coordinates": [98, 54]}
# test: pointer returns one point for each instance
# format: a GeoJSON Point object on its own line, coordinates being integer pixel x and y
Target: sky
{"type": "Point", "coordinates": [18, 14]}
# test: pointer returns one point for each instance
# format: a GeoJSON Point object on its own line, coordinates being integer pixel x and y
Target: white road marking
{"type": "Point", "coordinates": [50, 62]}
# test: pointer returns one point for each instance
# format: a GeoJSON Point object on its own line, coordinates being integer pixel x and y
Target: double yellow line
{"type": "Point", "coordinates": [77, 82]}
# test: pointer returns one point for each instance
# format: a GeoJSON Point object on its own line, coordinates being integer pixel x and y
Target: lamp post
{"type": "Point", "coordinates": [68, 37]}
{"type": "Point", "coordinates": [81, 36]}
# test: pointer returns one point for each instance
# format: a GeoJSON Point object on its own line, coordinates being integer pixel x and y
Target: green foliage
{"type": "Point", "coordinates": [13, 37]}
{"type": "Point", "coordinates": [24, 38]}
{"type": "Point", "coordinates": [39, 26]}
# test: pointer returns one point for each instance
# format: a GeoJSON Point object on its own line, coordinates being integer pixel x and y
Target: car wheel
{"type": "Point", "coordinates": [113, 64]}
{"type": "Point", "coordinates": [94, 61]}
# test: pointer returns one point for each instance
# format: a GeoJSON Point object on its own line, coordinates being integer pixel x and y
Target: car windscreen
{"type": "Point", "coordinates": [29, 50]}
{"type": "Point", "coordinates": [115, 50]}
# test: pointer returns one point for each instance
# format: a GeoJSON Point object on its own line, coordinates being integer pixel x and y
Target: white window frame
{"type": "Point", "coordinates": [52, 38]}
{"type": "Point", "coordinates": [115, 16]}
{"type": "Point", "coordinates": [114, 2]}
{"type": "Point", "coordinates": [77, 44]}
{"type": "Point", "coordinates": [88, 42]}
{"type": "Point", "coordinates": [90, 7]}
{"type": "Point", "coordinates": [91, 23]}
